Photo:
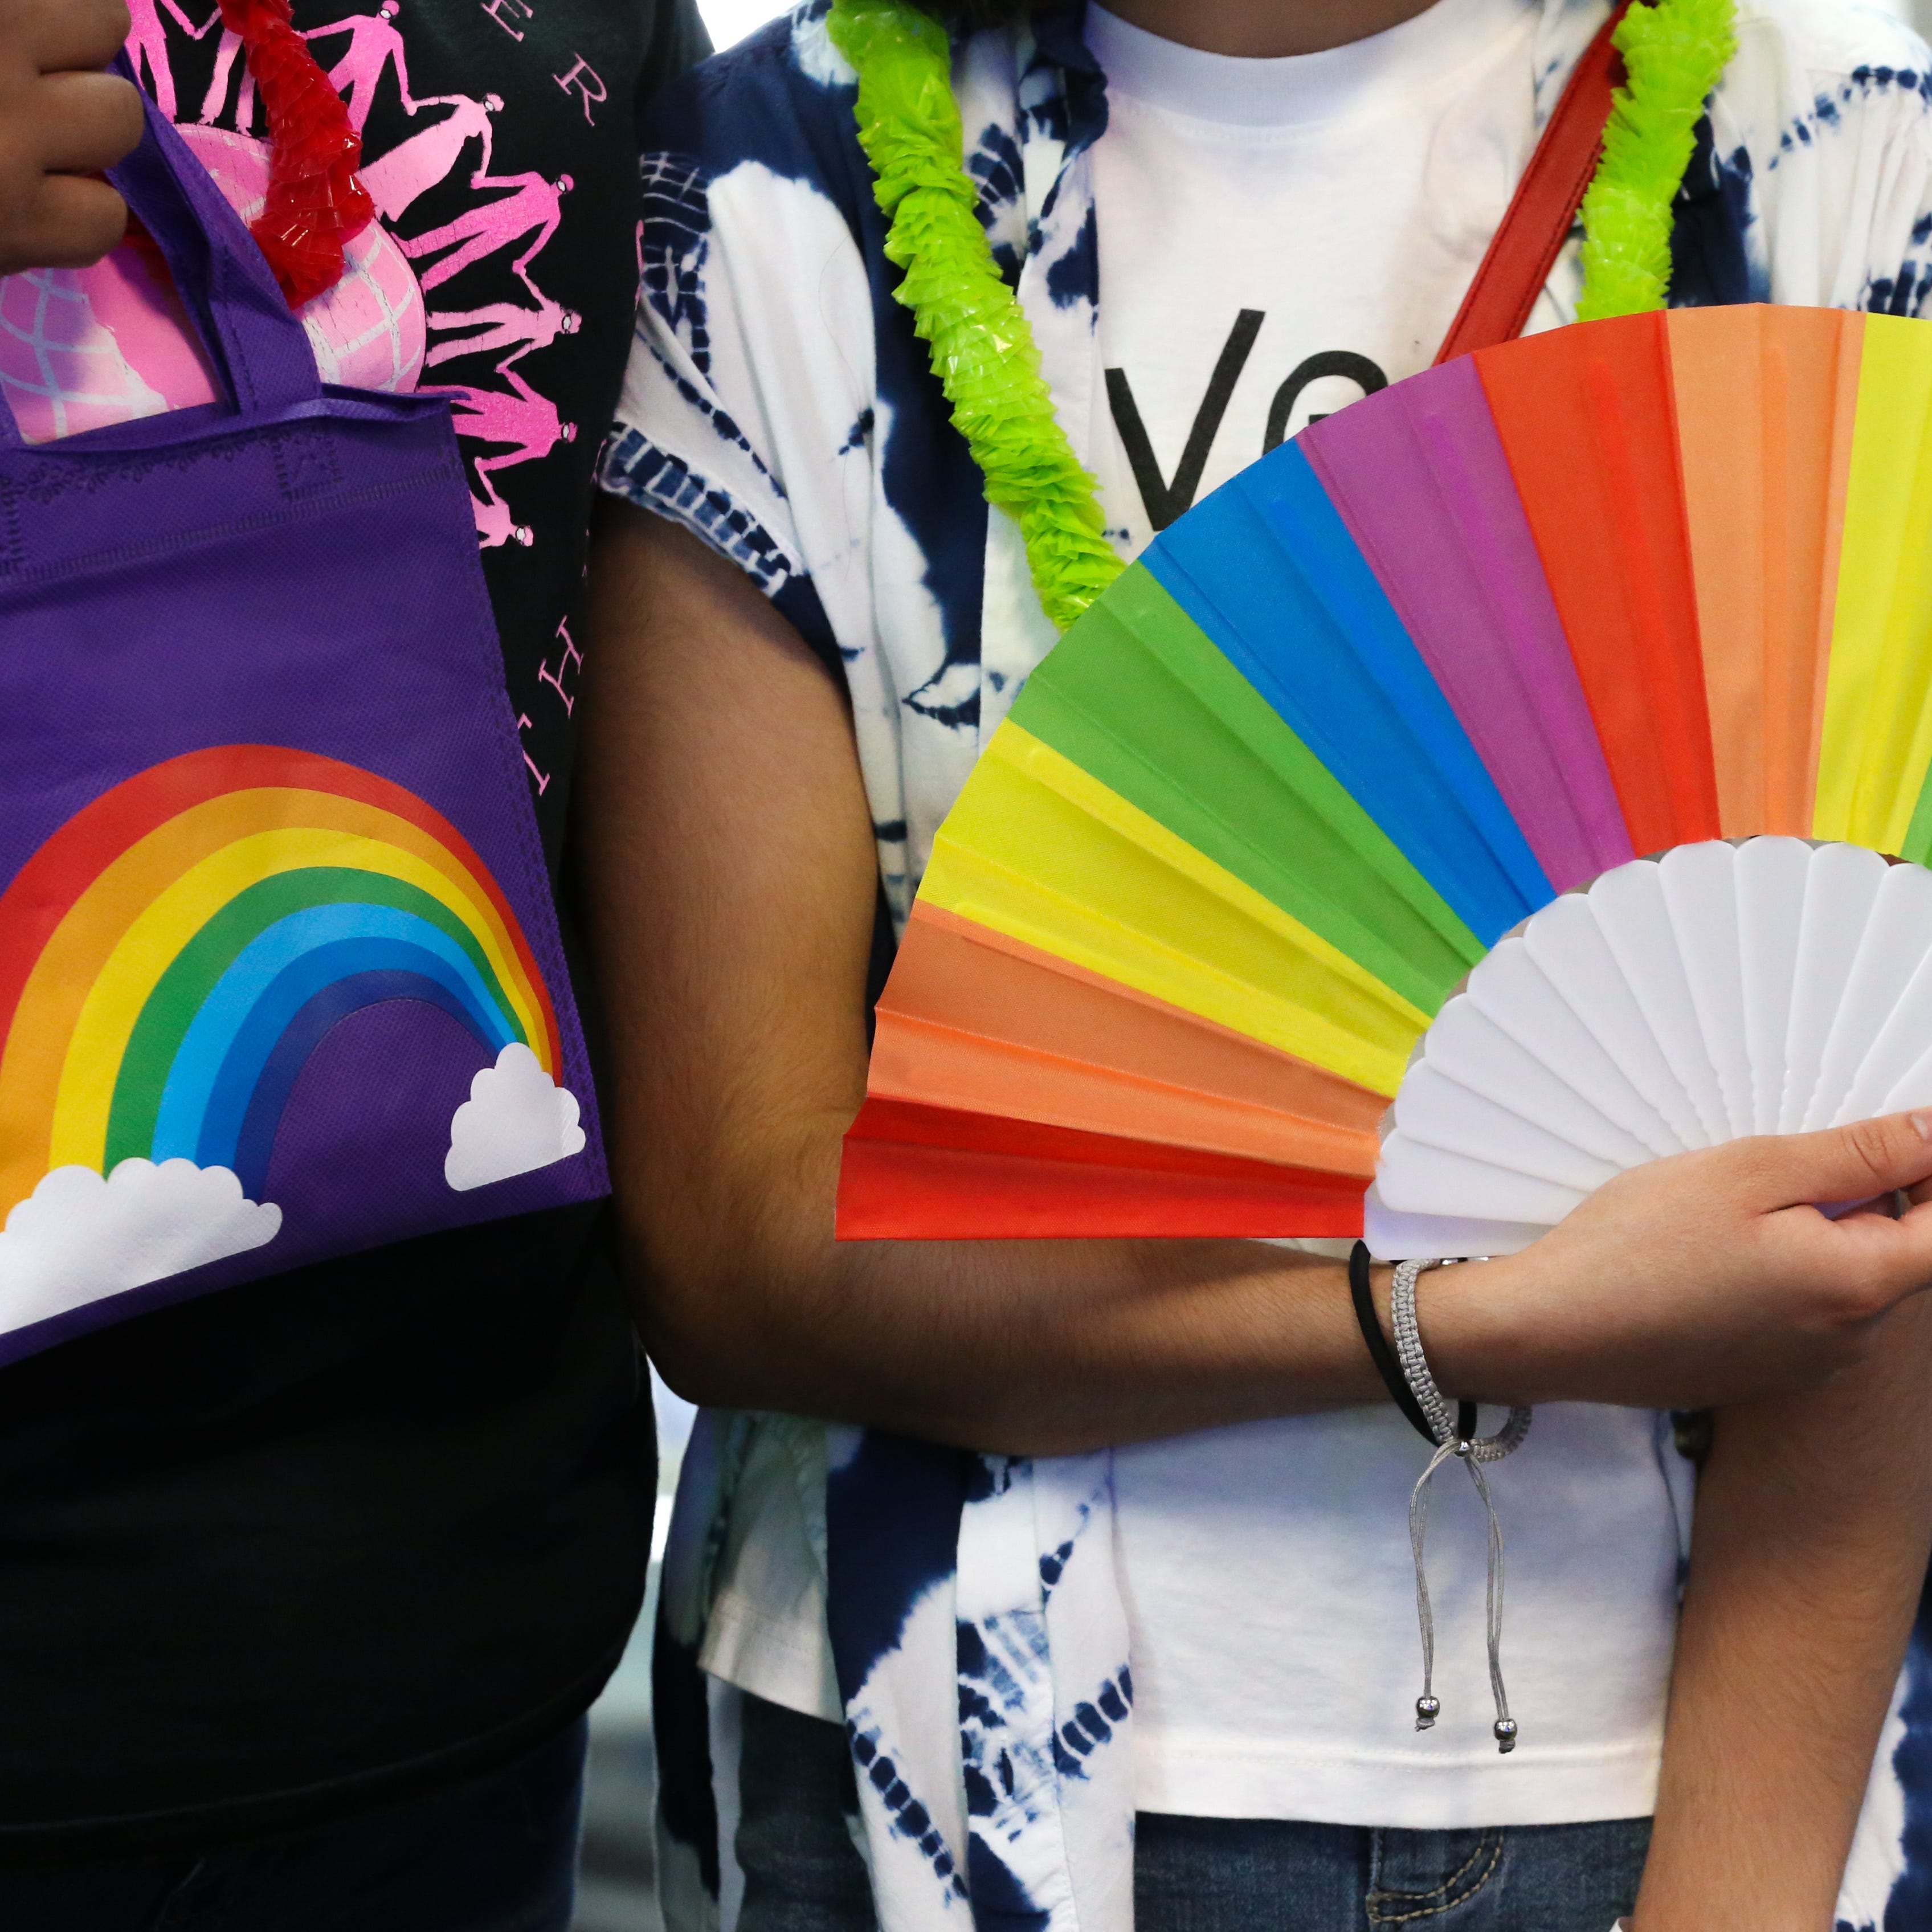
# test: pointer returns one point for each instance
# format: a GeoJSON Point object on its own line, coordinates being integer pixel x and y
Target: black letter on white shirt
{"type": "Point", "coordinates": [1166, 501]}
{"type": "Point", "coordinates": [1329, 362]}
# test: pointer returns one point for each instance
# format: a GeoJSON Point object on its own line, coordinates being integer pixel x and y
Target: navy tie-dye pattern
{"type": "Point", "coordinates": [760, 110]}
{"type": "Point", "coordinates": [1710, 266]}
{"type": "Point", "coordinates": [1044, 1696]}
{"type": "Point", "coordinates": [665, 483]}
{"type": "Point", "coordinates": [891, 1516]}
{"type": "Point", "coordinates": [976, 1628]}
{"type": "Point", "coordinates": [891, 1509]}
{"type": "Point", "coordinates": [906, 1815]}
{"type": "Point", "coordinates": [672, 239]}
{"type": "Point", "coordinates": [1075, 278]}
{"type": "Point", "coordinates": [1064, 63]}
{"type": "Point", "coordinates": [1903, 292]}
{"type": "Point", "coordinates": [1830, 111]}
{"type": "Point", "coordinates": [1909, 1909]}
{"type": "Point", "coordinates": [995, 163]}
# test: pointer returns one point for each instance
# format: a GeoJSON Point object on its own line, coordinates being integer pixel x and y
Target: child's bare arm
{"type": "Point", "coordinates": [1814, 1515]}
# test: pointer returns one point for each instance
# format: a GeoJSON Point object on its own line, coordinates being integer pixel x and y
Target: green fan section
{"type": "Point", "coordinates": [1137, 695]}
{"type": "Point", "coordinates": [1918, 845]}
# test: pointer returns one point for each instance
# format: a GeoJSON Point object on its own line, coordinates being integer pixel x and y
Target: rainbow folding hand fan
{"type": "Point", "coordinates": [1467, 752]}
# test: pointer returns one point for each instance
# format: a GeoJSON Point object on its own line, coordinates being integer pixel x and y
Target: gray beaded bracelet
{"type": "Point", "coordinates": [1473, 1452]}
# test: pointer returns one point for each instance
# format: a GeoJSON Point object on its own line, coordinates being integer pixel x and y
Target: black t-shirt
{"type": "Point", "coordinates": [328, 1541]}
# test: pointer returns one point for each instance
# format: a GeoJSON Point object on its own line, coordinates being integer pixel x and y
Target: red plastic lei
{"type": "Point", "coordinates": [315, 205]}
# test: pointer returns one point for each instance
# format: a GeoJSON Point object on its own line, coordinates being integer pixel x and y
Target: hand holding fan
{"type": "Point", "coordinates": [1360, 730]}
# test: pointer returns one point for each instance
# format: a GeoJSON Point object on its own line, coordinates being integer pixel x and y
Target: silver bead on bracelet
{"type": "Point", "coordinates": [1473, 1452]}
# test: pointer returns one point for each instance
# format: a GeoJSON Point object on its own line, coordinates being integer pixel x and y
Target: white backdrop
{"type": "Point", "coordinates": [729, 20]}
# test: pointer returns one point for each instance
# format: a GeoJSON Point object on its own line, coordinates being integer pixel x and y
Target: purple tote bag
{"type": "Point", "coordinates": [280, 975]}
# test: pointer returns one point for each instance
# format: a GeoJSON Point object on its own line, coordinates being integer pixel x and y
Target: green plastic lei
{"type": "Point", "coordinates": [983, 346]}
{"type": "Point", "coordinates": [1674, 53]}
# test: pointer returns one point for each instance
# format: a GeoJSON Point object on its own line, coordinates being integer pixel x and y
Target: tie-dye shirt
{"type": "Point", "coordinates": [779, 406]}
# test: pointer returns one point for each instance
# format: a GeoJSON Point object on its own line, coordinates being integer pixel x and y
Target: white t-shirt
{"type": "Point", "coordinates": [1273, 220]}
{"type": "Point", "coordinates": [1305, 227]}
{"type": "Point", "coordinates": [1271, 1610]}
{"type": "Point", "coordinates": [1345, 198]}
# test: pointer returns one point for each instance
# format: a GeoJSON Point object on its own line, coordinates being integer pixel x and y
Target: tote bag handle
{"type": "Point", "coordinates": [260, 351]}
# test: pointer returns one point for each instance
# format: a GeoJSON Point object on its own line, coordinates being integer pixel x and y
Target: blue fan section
{"type": "Point", "coordinates": [1268, 569]}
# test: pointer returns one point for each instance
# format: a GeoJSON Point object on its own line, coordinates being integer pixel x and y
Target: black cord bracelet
{"type": "Point", "coordinates": [1383, 1356]}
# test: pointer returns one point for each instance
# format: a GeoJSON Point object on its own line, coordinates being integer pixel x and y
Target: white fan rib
{"type": "Point", "coordinates": [1700, 895]}
{"type": "Point", "coordinates": [1394, 1236]}
{"type": "Point", "coordinates": [1512, 991]}
{"type": "Point", "coordinates": [1568, 946]}
{"type": "Point", "coordinates": [1892, 951]}
{"type": "Point", "coordinates": [1771, 875]}
{"type": "Point", "coordinates": [1434, 1110]}
{"type": "Point", "coordinates": [1840, 889]}
{"type": "Point", "coordinates": [1473, 1050]}
{"type": "Point", "coordinates": [1629, 907]}
{"type": "Point", "coordinates": [1417, 1179]}
{"type": "Point", "coordinates": [1913, 1088]}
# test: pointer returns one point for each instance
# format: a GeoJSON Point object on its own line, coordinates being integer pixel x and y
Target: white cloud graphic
{"type": "Point", "coordinates": [515, 1119]}
{"type": "Point", "coordinates": [78, 1237]}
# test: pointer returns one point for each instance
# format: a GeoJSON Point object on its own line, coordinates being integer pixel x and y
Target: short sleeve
{"type": "Point", "coordinates": [687, 443]}
{"type": "Point", "coordinates": [747, 405]}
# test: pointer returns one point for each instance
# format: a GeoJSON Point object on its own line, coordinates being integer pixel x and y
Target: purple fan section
{"type": "Point", "coordinates": [1419, 475]}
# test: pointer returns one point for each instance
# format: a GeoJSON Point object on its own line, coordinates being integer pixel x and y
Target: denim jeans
{"type": "Point", "coordinates": [1220, 1874]}
{"type": "Point", "coordinates": [803, 1873]}
{"type": "Point", "coordinates": [496, 1855]}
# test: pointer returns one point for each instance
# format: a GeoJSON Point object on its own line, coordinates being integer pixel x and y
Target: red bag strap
{"type": "Point", "coordinates": [1538, 222]}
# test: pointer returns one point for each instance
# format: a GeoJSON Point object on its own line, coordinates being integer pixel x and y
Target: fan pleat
{"type": "Point", "coordinates": [1585, 419]}
{"type": "Point", "coordinates": [1877, 739]}
{"type": "Point", "coordinates": [919, 1059]}
{"type": "Point", "coordinates": [1764, 439]}
{"type": "Point", "coordinates": [936, 1174]}
{"type": "Point", "coordinates": [1841, 888]}
{"type": "Point", "coordinates": [1569, 948]}
{"type": "Point", "coordinates": [1700, 896]}
{"type": "Point", "coordinates": [1426, 490]}
{"type": "Point", "coordinates": [1506, 1041]}
{"type": "Point", "coordinates": [1877, 1002]}
{"type": "Point", "coordinates": [1770, 879]}
{"type": "Point", "coordinates": [951, 972]}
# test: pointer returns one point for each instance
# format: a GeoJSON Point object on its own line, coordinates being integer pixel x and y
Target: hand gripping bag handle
{"type": "Point", "coordinates": [260, 351]}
